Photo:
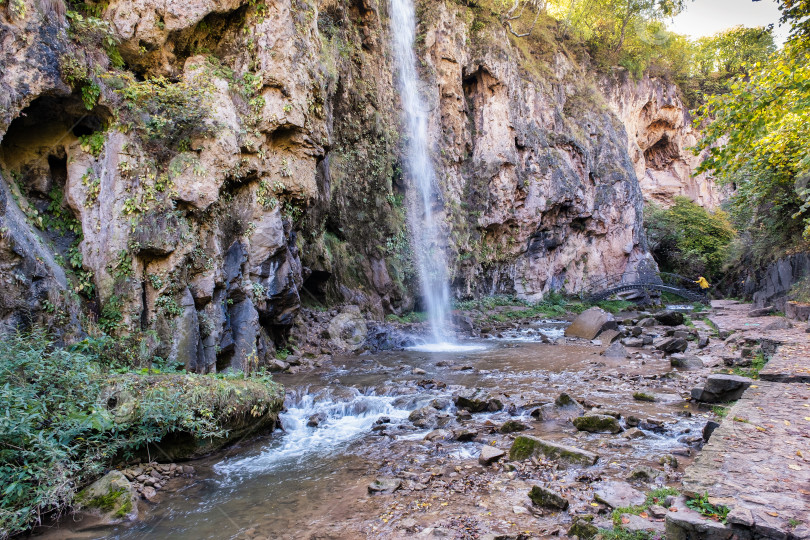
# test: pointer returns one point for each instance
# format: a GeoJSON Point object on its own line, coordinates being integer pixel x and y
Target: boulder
{"type": "Point", "coordinates": [384, 485]}
{"type": "Point", "coordinates": [646, 322]}
{"type": "Point", "coordinates": [762, 312]}
{"type": "Point", "coordinates": [424, 417]}
{"type": "Point", "coordinates": [477, 401]}
{"type": "Point", "coordinates": [609, 336]}
{"type": "Point", "coordinates": [797, 311]}
{"type": "Point", "coordinates": [597, 423]}
{"type": "Point", "coordinates": [616, 350]}
{"type": "Point", "coordinates": [637, 524]}
{"type": "Point", "coordinates": [703, 342]}
{"type": "Point", "coordinates": [526, 446]}
{"type": "Point", "coordinates": [545, 498]}
{"type": "Point", "coordinates": [644, 473]}
{"type": "Point", "coordinates": [781, 324]}
{"type": "Point", "coordinates": [583, 528]}
{"type": "Point", "coordinates": [672, 345]}
{"type": "Point", "coordinates": [685, 523]}
{"type": "Point", "coordinates": [618, 494]}
{"type": "Point", "coordinates": [564, 408]}
{"type": "Point", "coordinates": [112, 497]}
{"type": "Point", "coordinates": [490, 454]}
{"type": "Point", "coordinates": [685, 361]}
{"type": "Point", "coordinates": [670, 318]}
{"type": "Point", "coordinates": [589, 323]}
{"type": "Point", "coordinates": [633, 342]}
{"type": "Point", "coordinates": [465, 435]}
{"type": "Point", "coordinates": [708, 429]}
{"type": "Point", "coordinates": [720, 388]}
{"type": "Point", "coordinates": [513, 426]}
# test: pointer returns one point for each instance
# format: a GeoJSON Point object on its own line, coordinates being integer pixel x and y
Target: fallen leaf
{"type": "Point", "coordinates": [787, 422]}
{"type": "Point", "coordinates": [774, 514]}
{"type": "Point", "coordinates": [625, 520]}
{"type": "Point", "coordinates": [794, 467]}
{"type": "Point", "coordinates": [799, 453]}
{"type": "Point", "coordinates": [594, 504]}
{"type": "Point", "coordinates": [644, 515]}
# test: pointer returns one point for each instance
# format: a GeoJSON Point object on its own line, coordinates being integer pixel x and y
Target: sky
{"type": "Point", "coordinates": [707, 17]}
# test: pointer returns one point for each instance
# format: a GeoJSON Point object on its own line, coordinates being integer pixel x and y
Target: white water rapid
{"type": "Point", "coordinates": [425, 230]}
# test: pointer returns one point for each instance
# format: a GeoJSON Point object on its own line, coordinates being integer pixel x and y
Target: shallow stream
{"type": "Point", "coordinates": [310, 481]}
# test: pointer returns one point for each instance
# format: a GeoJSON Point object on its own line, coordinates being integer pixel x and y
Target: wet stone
{"type": "Point", "coordinates": [490, 454]}
{"type": "Point", "coordinates": [513, 426]}
{"type": "Point", "coordinates": [618, 494]}
{"type": "Point", "coordinates": [384, 485]}
{"type": "Point", "coordinates": [545, 498]}
{"type": "Point", "coordinates": [636, 524]}
{"type": "Point", "coordinates": [597, 423]}
{"type": "Point", "coordinates": [526, 446]}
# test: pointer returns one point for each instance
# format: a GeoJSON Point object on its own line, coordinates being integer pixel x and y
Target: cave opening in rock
{"type": "Point", "coordinates": [314, 289]}
{"type": "Point", "coordinates": [33, 156]}
{"type": "Point", "coordinates": [661, 154]}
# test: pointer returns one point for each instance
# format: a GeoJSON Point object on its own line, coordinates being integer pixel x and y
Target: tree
{"type": "Point", "coordinates": [758, 137]}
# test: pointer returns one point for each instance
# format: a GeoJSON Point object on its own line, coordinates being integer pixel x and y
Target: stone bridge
{"type": "Point", "coordinates": [644, 282]}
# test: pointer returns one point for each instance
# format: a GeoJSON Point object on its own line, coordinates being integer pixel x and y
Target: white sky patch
{"type": "Point", "coordinates": [708, 17]}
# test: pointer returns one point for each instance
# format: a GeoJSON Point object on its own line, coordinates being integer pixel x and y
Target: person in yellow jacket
{"type": "Point", "coordinates": [704, 284]}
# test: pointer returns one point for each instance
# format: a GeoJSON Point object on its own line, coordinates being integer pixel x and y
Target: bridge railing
{"type": "Point", "coordinates": [644, 280]}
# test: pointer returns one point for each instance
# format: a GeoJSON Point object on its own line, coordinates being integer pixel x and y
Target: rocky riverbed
{"type": "Point", "coordinates": [529, 434]}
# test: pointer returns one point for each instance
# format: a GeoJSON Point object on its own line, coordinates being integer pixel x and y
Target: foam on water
{"type": "Point", "coordinates": [344, 421]}
{"type": "Point", "coordinates": [445, 347]}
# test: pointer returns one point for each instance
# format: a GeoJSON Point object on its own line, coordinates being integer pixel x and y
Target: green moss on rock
{"type": "Point", "coordinates": [526, 446]}
{"type": "Point", "coordinates": [597, 423]}
{"type": "Point", "coordinates": [545, 498]}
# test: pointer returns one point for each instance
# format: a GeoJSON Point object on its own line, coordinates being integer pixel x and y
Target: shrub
{"type": "Point", "coordinates": [688, 239]}
{"type": "Point", "coordinates": [166, 112]}
{"type": "Point", "coordinates": [64, 419]}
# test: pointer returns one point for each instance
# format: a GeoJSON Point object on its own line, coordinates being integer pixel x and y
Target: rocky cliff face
{"type": "Point", "coordinates": [660, 135]}
{"type": "Point", "coordinates": [195, 172]}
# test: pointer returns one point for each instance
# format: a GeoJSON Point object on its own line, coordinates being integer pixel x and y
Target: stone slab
{"type": "Point", "coordinates": [759, 459]}
{"type": "Point", "coordinates": [791, 363]}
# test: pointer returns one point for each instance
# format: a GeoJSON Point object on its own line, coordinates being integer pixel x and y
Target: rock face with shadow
{"type": "Point", "coordinates": [223, 163]}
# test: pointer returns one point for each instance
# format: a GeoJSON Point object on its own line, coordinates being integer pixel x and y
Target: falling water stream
{"type": "Point", "coordinates": [425, 230]}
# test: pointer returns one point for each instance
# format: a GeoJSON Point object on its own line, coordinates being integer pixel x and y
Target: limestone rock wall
{"type": "Point", "coordinates": [660, 135]}
{"type": "Point", "coordinates": [274, 180]}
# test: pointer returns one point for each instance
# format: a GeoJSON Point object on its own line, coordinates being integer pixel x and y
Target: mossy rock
{"type": "Point", "coordinates": [111, 496]}
{"type": "Point", "coordinates": [643, 396]}
{"type": "Point", "coordinates": [526, 446]}
{"type": "Point", "coordinates": [241, 407]}
{"type": "Point", "coordinates": [513, 426]}
{"type": "Point", "coordinates": [583, 528]}
{"type": "Point", "coordinates": [545, 498]}
{"type": "Point", "coordinates": [597, 423]}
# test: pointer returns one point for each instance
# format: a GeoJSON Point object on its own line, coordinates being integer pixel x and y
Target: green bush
{"type": "Point", "coordinates": [688, 239]}
{"type": "Point", "coordinates": [64, 419]}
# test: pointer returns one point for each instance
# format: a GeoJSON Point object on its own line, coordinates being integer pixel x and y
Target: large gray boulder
{"type": "Point", "coordinates": [670, 318]}
{"type": "Point", "coordinates": [720, 388]}
{"type": "Point", "coordinates": [589, 323]}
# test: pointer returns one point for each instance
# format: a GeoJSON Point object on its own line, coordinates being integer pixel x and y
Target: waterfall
{"type": "Point", "coordinates": [425, 231]}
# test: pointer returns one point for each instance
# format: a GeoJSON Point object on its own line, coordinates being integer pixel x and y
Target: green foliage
{"type": "Point", "coordinates": [655, 496]}
{"type": "Point", "coordinates": [111, 318]}
{"type": "Point", "coordinates": [757, 136]}
{"type": "Point", "coordinates": [76, 73]}
{"type": "Point", "coordinates": [616, 306]}
{"type": "Point", "coordinates": [757, 363]}
{"type": "Point", "coordinates": [166, 112]}
{"type": "Point", "coordinates": [688, 239]}
{"type": "Point", "coordinates": [93, 143]}
{"type": "Point", "coordinates": [721, 412]}
{"type": "Point", "coordinates": [65, 419]}
{"type": "Point", "coordinates": [800, 291]}
{"type": "Point", "coordinates": [408, 318]}
{"type": "Point", "coordinates": [701, 504]}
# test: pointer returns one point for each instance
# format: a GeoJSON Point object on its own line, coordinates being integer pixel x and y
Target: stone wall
{"type": "Point", "coordinates": [660, 138]}
{"type": "Point", "coordinates": [288, 191]}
